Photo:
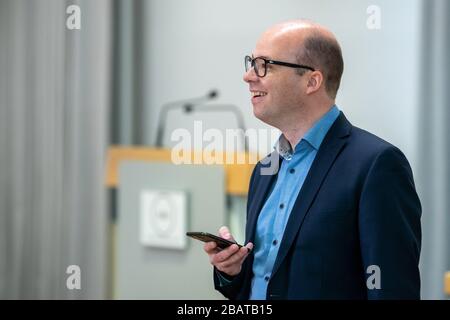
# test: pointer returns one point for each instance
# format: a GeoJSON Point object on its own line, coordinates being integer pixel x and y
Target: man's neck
{"type": "Point", "coordinates": [295, 131]}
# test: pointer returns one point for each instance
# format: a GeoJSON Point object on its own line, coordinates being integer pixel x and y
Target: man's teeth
{"type": "Point", "coordinates": [258, 93]}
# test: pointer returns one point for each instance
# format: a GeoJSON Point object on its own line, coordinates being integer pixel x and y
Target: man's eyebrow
{"type": "Point", "coordinates": [265, 57]}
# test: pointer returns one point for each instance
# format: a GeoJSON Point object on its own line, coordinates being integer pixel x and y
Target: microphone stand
{"type": "Point", "coordinates": [221, 108]}
{"type": "Point", "coordinates": [186, 103]}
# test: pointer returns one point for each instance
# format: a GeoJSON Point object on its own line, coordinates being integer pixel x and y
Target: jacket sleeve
{"type": "Point", "coordinates": [230, 288]}
{"type": "Point", "coordinates": [389, 228]}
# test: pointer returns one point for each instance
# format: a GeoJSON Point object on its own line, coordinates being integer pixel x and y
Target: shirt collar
{"type": "Point", "coordinates": [314, 136]}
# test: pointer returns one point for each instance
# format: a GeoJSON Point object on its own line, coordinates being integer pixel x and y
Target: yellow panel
{"type": "Point", "coordinates": [237, 174]}
{"type": "Point", "coordinates": [447, 282]}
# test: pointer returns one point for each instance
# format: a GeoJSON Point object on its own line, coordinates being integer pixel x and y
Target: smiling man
{"type": "Point", "coordinates": [340, 219]}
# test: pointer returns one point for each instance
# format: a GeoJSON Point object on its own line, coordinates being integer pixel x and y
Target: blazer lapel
{"type": "Point", "coordinates": [332, 144]}
{"type": "Point", "coordinates": [261, 189]}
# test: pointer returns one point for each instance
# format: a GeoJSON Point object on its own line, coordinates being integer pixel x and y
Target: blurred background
{"type": "Point", "coordinates": [73, 94]}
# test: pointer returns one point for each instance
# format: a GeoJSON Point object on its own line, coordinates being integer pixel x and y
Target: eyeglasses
{"type": "Point", "coordinates": [260, 65]}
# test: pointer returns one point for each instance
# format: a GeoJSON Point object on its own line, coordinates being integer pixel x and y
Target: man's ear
{"type": "Point", "coordinates": [315, 80]}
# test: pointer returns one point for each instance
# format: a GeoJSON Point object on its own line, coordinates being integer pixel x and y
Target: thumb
{"type": "Point", "coordinates": [224, 232]}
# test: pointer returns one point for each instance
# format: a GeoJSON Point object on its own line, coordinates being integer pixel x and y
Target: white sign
{"type": "Point", "coordinates": [163, 219]}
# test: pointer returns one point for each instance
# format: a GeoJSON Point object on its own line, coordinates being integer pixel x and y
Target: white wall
{"type": "Point", "coordinates": [196, 45]}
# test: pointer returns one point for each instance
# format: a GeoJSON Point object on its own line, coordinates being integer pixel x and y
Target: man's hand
{"type": "Point", "coordinates": [228, 260]}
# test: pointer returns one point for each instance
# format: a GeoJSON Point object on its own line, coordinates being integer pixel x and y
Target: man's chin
{"type": "Point", "coordinates": [260, 115]}
{"type": "Point", "coordinates": [256, 112]}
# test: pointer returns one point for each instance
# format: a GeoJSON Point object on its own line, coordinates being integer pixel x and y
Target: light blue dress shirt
{"type": "Point", "coordinates": [275, 212]}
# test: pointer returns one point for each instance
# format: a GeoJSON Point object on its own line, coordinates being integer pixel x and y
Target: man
{"type": "Point", "coordinates": [340, 218]}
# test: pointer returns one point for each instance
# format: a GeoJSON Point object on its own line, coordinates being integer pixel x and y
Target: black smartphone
{"type": "Point", "coordinates": [208, 237]}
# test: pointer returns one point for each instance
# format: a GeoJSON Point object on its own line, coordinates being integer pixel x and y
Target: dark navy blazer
{"type": "Point", "coordinates": [358, 208]}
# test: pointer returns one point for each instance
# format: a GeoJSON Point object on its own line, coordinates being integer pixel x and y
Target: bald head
{"type": "Point", "coordinates": [312, 45]}
{"type": "Point", "coordinates": [302, 26]}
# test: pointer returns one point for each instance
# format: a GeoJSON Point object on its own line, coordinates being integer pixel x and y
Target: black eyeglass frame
{"type": "Point", "coordinates": [270, 61]}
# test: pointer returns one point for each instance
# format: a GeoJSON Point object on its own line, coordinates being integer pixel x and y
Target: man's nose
{"type": "Point", "coordinates": [250, 75]}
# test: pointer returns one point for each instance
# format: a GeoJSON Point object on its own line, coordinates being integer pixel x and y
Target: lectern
{"type": "Point", "coordinates": [157, 202]}
{"type": "Point", "coordinates": [447, 283]}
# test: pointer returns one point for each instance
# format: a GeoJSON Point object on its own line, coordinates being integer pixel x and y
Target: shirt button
{"type": "Point", "coordinates": [292, 170]}
{"type": "Point", "coordinates": [266, 278]}
{"type": "Point", "coordinates": [274, 242]}
{"type": "Point", "coordinates": [281, 206]}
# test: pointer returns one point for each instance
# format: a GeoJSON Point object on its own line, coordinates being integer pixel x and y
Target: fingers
{"type": "Point", "coordinates": [249, 246]}
{"type": "Point", "coordinates": [227, 260]}
{"type": "Point", "coordinates": [232, 255]}
{"type": "Point", "coordinates": [224, 232]}
{"type": "Point", "coordinates": [224, 254]}
{"type": "Point", "coordinates": [235, 259]}
{"type": "Point", "coordinates": [210, 247]}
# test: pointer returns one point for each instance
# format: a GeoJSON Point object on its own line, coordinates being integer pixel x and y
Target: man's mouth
{"type": "Point", "coordinates": [258, 94]}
